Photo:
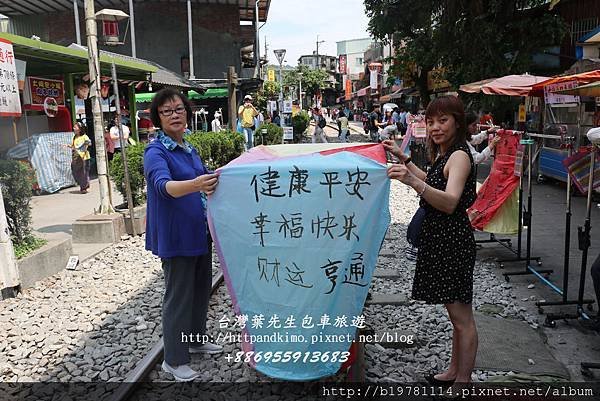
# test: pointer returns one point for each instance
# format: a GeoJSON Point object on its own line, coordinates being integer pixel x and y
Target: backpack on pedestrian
{"type": "Point", "coordinates": [322, 122]}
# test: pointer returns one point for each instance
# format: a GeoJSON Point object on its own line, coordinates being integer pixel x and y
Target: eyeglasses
{"type": "Point", "coordinates": [169, 112]}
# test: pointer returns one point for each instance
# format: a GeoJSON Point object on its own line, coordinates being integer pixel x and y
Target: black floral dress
{"type": "Point", "coordinates": [446, 257]}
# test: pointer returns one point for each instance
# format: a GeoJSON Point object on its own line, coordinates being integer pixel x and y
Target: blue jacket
{"type": "Point", "coordinates": [174, 226]}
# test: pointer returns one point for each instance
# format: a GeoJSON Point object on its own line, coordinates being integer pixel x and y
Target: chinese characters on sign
{"type": "Point", "coordinates": [39, 89]}
{"type": "Point", "coordinates": [299, 236]}
{"type": "Point", "coordinates": [10, 103]}
{"type": "Point", "coordinates": [556, 98]}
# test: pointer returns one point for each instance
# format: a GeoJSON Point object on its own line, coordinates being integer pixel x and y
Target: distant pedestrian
{"type": "Point", "coordinates": [216, 122]}
{"type": "Point", "coordinates": [80, 163]}
{"type": "Point", "coordinates": [114, 135]}
{"type": "Point", "coordinates": [246, 113]}
{"type": "Point", "coordinates": [320, 124]}
{"type": "Point", "coordinates": [343, 121]}
{"type": "Point", "coordinates": [176, 231]}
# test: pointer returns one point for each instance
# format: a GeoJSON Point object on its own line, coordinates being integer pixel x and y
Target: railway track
{"type": "Point", "coordinates": [147, 364]}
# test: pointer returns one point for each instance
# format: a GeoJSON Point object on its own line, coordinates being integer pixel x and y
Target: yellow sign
{"type": "Point", "coordinates": [522, 113]}
{"type": "Point", "coordinates": [271, 75]}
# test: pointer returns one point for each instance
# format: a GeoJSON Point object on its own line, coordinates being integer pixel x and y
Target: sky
{"type": "Point", "coordinates": [294, 25]}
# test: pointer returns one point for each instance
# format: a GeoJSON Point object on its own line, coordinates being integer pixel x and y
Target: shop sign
{"type": "Point", "coordinates": [343, 63]}
{"type": "Point", "coordinates": [20, 65]}
{"type": "Point", "coordinates": [556, 98]}
{"type": "Point", "coordinates": [287, 106]}
{"type": "Point", "coordinates": [271, 75]}
{"type": "Point", "coordinates": [10, 103]}
{"type": "Point", "coordinates": [348, 89]}
{"type": "Point", "coordinates": [522, 113]}
{"type": "Point", "coordinates": [38, 89]}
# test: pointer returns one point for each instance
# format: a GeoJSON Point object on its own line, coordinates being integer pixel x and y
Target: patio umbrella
{"type": "Point", "coordinates": [592, 90]}
{"type": "Point", "coordinates": [509, 85]}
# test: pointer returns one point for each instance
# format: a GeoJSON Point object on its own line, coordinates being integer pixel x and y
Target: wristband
{"type": "Point", "coordinates": [408, 160]}
{"type": "Point", "coordinates": [423, 190]}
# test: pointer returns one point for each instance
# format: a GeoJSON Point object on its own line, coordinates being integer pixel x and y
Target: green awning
{"type": "Point", "coordinates": [48, 58]}
{"type": "Point", "coordinates": [209, 94]}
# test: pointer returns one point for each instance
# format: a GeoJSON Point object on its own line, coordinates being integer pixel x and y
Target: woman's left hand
{"type": "Point", "coordinates": [401, 173]}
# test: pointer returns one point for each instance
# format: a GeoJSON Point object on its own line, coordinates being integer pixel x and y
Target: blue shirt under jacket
{"type": "Point", "coordinates": [174, 226]}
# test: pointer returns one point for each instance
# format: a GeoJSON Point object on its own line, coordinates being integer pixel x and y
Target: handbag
{"type": "Point", "coordinates": [414, 227]}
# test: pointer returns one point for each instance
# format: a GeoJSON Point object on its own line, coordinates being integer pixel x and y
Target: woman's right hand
{"type": "Point", "coordinates": [206, 183]}
{"type": "Point", "coordinates": [392, 147]}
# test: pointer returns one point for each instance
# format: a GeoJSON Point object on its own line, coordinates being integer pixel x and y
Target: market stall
{"type": "Point", "coordinates": [565, 116]}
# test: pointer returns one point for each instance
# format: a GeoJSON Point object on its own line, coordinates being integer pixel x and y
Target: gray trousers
{"type": "Point", "coordinates": [188, 281]}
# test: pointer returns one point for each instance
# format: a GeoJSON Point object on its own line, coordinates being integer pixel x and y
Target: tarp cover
{"type": "Point", "coordinates": [50, 158]}
{"type": "Point", "coordinates": [298, 231]}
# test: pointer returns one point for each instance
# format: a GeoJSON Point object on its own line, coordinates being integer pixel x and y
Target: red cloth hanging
{"type": "Point", "coordinates": [501, 182]}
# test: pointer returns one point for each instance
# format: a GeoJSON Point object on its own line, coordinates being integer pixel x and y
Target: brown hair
{"type": "Point", "coordinates": [451, 105]}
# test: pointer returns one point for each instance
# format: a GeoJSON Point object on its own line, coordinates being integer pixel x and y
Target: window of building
{"type": "Point", "coordinates": [359, 61]}
{"type": "Point", "coordinates": [582, 27]}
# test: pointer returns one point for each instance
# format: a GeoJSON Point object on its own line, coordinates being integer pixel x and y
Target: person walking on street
{"type": "Point", "coordinates": [320, 124]}
{"type": "Point", "coordinates": [374, 124]}
{"type": "Point", "coordinates": [216, 122]}
{"type": "Point", "coordinates": [343, 121]}
{"type": "Point", "coordinates": [246, 113]}
{"type": "Point", "coordinates": [114, 136]}
{"type": "Point", "coordinates": [176, 231]}
{"type": "Point", "coordinates": [80, 164]}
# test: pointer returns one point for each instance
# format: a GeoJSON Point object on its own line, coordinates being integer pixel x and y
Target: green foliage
{"type": "Point", "coordinates": [312, 80]}
{"type": "Point", "coordinates": [16, 179]}
{"type": "Point", "coordinates": [135, 164]}
{"type": "Point", "coordinates": [274, 135]}
{"type": "Point", "coordinates": [300, 123]}
{"type": "Point", "coordinates": [468, 40]}
{"type": "Point", "coordinates": [28, 245]}
{"type": "Point", "coordinates": [217, 148]}
{"type": "Point", "coordinates": [269, 91]}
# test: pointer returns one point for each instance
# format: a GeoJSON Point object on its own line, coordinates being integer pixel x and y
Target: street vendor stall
{"type": "Point", "coordinates": [43, 130]}
{"type": "Point", "coordinates": [565, 115]}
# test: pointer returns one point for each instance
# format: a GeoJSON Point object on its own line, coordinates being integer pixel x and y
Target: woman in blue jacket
{"type": "Point", "coordinates": [176, 232]}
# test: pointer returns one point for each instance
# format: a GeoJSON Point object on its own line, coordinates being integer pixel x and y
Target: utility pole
{"type": "Point", "coordinates": [232, 84]}
{"type": "Point", "coordinates": [113, 70]}
{"type": "Point", "coordinates": [91, 31]}
{"type": "Point", "coordinates": [9, 274]}
{"type": "Point", "coordinates": [318, 68]}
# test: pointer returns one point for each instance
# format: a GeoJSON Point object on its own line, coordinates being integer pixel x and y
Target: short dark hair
{"type": "Point", "coordinates": [471, 118]}
{"type": "Point", "coordinates": [161, 98]}
{"type": "Point", "coordinates": [447, 105]}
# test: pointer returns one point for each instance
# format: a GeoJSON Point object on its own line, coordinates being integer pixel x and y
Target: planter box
{"type": "Point", "coordinates": [99, 229]}
{"type": "Point", "coordinates": [44, 262]}
{"type": "Point", "coordinates": [139, 218]}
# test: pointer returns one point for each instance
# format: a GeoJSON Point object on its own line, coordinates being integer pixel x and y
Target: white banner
{"type": "Point", "coordinates": [556, 98]}
{"type": "Point", "coordinates": [10, 103]}
{"type": "Point", "coordinates": [374, 79]}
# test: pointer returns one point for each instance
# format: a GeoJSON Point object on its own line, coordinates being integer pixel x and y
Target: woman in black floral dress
{"type": "Point", "coordinates": [444, 272]}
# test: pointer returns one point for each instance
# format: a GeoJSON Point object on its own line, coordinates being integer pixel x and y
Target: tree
{"type": "Point", "coordinates": [269, 91]}
{"type": "Point", "coordinates": [469, 39]}
{"type": "Point", "coordinates": [312, 80]}
{"type": "Point", "coordinates": [410, 25]}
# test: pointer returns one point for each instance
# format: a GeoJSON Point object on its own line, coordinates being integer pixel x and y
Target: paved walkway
{"type": "Point", "coordinates": [53, 215]}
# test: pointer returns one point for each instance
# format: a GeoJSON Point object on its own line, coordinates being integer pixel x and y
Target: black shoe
{"type": "Point", "coordinates": [437, 382]}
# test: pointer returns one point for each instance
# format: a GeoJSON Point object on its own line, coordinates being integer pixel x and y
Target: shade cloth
{"type": "Point", "coordinates": [582, 79]}
{"type": "Point", "coordinates": [510, 85]}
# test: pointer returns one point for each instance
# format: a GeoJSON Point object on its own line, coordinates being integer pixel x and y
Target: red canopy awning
{"type": "Point", "coordinates": [583, 78]}
{"type": "Point", "coordinates": [509, 85]}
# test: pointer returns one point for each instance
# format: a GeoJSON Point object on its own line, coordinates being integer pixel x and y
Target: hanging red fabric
{"type": "Point", "coordinates": [501, 182]}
